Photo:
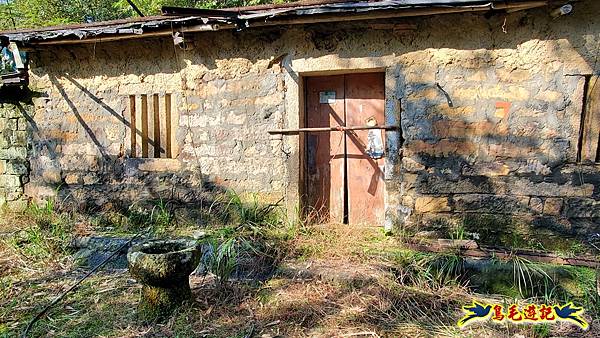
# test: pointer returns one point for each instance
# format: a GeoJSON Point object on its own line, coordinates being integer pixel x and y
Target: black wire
{"type": "Point", "coordinates": [74, 286]}
{"type": "Point", "coordinates": [11, 16]}
{"type": "Point", "coordinates": [135, 8]}
{"type": "Point", "coordinates": [448, 99]}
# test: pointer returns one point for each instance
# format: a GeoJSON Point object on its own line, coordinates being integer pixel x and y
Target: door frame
{"type": "Point", "coordinates": [295, 66]}
{"type": "Point", "coordinates": [390, 136]}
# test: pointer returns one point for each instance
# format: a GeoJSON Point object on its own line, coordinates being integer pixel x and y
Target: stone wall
{"type": "Point", "coordinates": [14, 164]}
{"type": "Point", "coordinates": [222, 109]}
{"type": "Point", "coordinates": [506, 144]}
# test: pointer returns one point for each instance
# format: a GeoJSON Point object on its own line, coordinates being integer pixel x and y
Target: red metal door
{"type": "Point", "coordinates": [365, 100]}
{"type": "Point", "coordinates": [344, 183]}
{"type": "Point", "coordinates": [325, 151]}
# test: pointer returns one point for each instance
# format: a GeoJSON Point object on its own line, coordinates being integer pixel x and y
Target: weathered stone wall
{"type": "Point", "coordinates": [14, 164]}
{"type": "Point", "coordinates": [222, 109]}
{"type": "Point", "coordinates": [506, 145]}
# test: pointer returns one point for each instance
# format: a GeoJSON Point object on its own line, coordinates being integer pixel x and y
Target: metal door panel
{"type": "Point", "coordinates": [325, 151]}
{"type": "Point", "coordinates": [344, 100]}
{"type": "Point", "coordinates": [365, 98]}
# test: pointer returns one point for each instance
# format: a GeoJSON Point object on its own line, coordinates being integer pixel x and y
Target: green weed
{"type": "Point", "coordinates": [458, 233]}
{"type": "Point", "coordinates": [428, 270]}
{"type": "Point", "coordinates": [220, 259]}
{"type": "Point", "coordinates": [161, 216]}
{"type": "Point", "coordinates": [46, 236]}
{"type": "Point", "coordinates": [526, 275]}
{"type": "Point", "coordinates": [252, 213]}
{"type": "Point", "coordinates": [541, 330]}
{"type": "Point", "coordinates": [157, 217]}
{"type": "Point", "coordinates": [446, 267]}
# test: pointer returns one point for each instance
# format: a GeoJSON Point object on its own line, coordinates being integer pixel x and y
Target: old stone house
{"type": "Point", "coordinates": [452, 108]}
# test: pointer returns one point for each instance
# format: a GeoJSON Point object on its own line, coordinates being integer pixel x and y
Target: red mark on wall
{"type": "Point", "coordinates": [502, 109]}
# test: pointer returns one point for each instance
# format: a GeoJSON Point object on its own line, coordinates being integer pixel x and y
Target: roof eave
{"type": "Point", "coordinates": [336, 12]}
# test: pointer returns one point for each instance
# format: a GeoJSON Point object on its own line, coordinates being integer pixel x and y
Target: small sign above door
{"type": "Point", "coordinates": [327, 97]}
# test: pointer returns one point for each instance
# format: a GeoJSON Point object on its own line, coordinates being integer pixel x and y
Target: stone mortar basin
{"type": "Point", "coordinates": [163, 268]}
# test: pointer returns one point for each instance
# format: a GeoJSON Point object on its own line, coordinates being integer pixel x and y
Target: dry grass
{"type": "Point", "coordinates": [339, 241]}
{"type": "Point", "coordinates": [337, 281]}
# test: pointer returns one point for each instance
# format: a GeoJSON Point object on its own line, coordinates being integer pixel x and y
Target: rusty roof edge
{"type": "Point", "coordinates": [344, 8]}
{"type": "Point", "coordinates": [84, 32]}
{"type": "Point", "coordinates": [322, 3]}
{"type": "Point", "coordinates": [381, 9]}
{"type": "Point", "coordinates": [335, 9]}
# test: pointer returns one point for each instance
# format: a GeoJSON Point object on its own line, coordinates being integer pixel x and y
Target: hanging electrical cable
{"type": "Point", "coordinates": [135, 8]}
{"type": "Point", "coordinates": [12, 18]}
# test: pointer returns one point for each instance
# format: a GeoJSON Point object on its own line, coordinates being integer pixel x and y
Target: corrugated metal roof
{"type": "Point", "coordinates": [243, 17]}
{"type": "Point", "coordinates": [402, 2]}
{"type": "Point", "coordinates": [137, 26]}
{"type": "Point", "coordinates": [358, 7]}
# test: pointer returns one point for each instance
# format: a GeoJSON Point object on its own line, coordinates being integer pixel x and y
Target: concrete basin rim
{"type": "Point", "coordinates": [190, 246]}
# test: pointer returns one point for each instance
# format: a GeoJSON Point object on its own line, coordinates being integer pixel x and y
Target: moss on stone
{"type": "Point", "coordinates": [163, 267]}
{"type": "Point", "coordinates": [157, 304]}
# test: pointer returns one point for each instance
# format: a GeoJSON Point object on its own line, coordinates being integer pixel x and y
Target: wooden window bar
{"type": "Point", "coordinates": [150, 127]}
{"type": "Point", "coordinates": [168, 125]}
{"type": "Point", "coordinates": [144, 126]}
{"type": "Point", "coordinates": [132, 125]}
{"type": "Point", "coordinates": [156, 126]}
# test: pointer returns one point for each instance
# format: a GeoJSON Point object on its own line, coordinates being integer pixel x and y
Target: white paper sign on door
{"type": "Point", "coordinates": [327, 97]}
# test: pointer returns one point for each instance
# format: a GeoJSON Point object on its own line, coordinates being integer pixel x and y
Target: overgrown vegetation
{"type": "Point", "coordinates": [37, 13]}
{"type": "Point", "coordinates": [220, 259]}
{"type": "Point", "coordinates": [503, 231]}
{"type": "Point", "coordinates": [46, 237]}
{"type": "Point", "coordinates": [251, 244]}
{"type": "Point", "coordinates": [294, 278]}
